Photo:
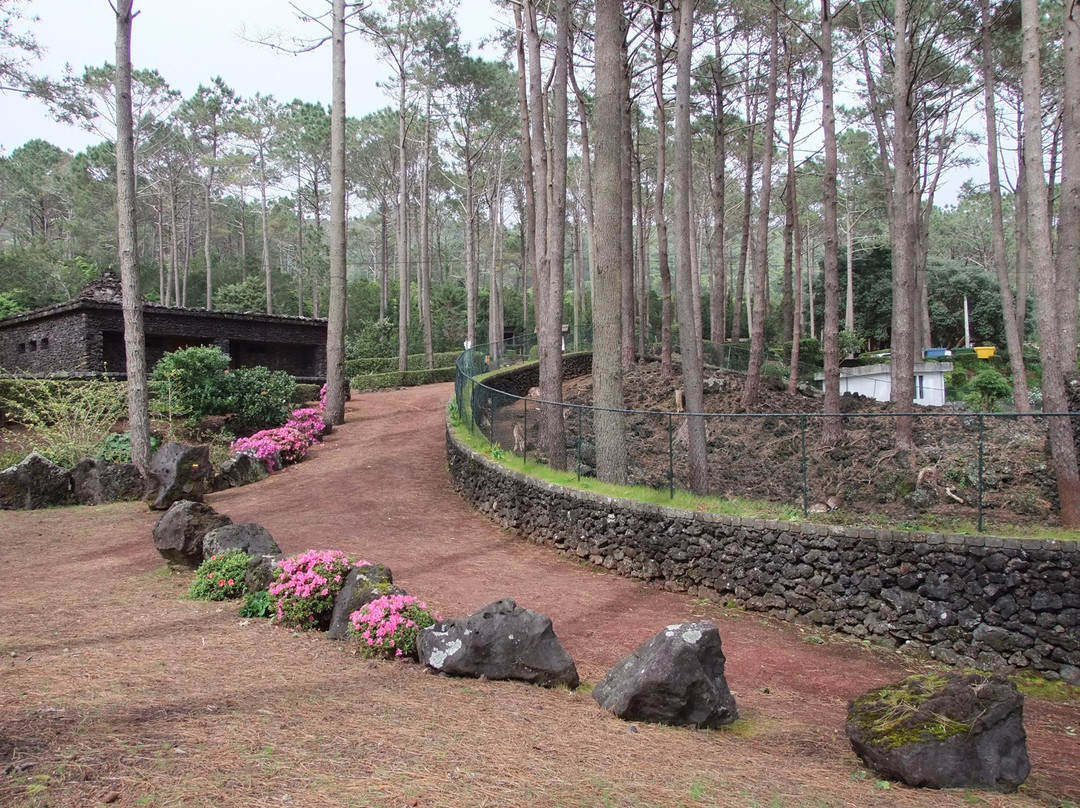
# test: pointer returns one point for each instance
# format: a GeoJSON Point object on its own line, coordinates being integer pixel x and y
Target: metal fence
{"type": "Point", "coordinates": [967, 466]}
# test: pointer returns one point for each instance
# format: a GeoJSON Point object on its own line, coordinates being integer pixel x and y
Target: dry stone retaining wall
{"type": "Point", "coordinates": [978, 600]}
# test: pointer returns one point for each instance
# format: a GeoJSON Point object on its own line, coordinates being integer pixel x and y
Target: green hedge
{"type": "Point", "coordinates": [389, 364]}
{"type": "Point", "coordinates": [410, 378]}
{"type": "Point", "coordinates": [22, 390]}
{"type": "Point", "coordinates": [305, 393]}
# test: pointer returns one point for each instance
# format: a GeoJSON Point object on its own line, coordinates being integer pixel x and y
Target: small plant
{"type": "Point", "coordinates": [117, 447]}
{"type": "Point", "coordinates": [192, 382]}
{"type": "Point", "coordinates": [306, 586]}
{"type": "Point", "coordinates": [990, 387]}
{"type": "Point", "coordinates": [850, 343]}
{"type": "Point", "coordinates": [388, 626]}
{"type": "Point", "coordinates": [257, 604]}
{"type": "Point", "coordinates": [259, 397]}
{"type": "Point", "coordinates": [220, 577]}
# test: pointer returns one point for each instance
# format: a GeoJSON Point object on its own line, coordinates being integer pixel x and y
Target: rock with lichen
{"type": "Point", "coordinates": [939, 731]}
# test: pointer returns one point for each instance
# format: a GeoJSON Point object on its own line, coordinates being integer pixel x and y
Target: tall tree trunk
{"type": "Point", "coordinates": [159, 210]}
{"type": "Point", "coordinates": [752, 390]}
{"type": "Point", "coordinates": [207, 213]}
{"type": "Point", "coordinates": [384, 259]}
{"type": "Point", "coordinates": [1068, 230]}
{"type": "Point", "coordinates": [131, 292]}
{"type": "Point", "coordinates": [658, 200]}
{"type": "Point", "coordinates": [529, 220]}
{"type": "Point", "coordinates": [265, 226]}
{"type": "Point", "coordinates": [425, 237]}
{"type": "Point", "coordinates": [627, 229]}
{"type": "Point", "coordinates": [538, 141]}
{"type": "Point", "coordinates": [472, 271]}
{"type": "Point", "coordinates": [552, 426]}
{"type": "Point", "coordinates": [902, 232]}
{"type": "Point", "coordinates": [1062, 445]}
{"type": "Point", "coordinates": [335, 325]}
{"type": "Point", "coordinates": [402, 229]}
{"type": "Point", "coordinates": [744, 244]}
{"type": "Point", "coordinates": [831, 428]}
{"type": "Point", "coordinates": [609, 421]}
{"type": "Point", "coordinates": [689, 347]}
{"type": "Point", "coordinates": [1013, 339]}
{"type": "Point", "coordinates": [174, 258]}
{"type": "Point", "coordinates": [641, 261]}
{"type": "Point", "coordinates": [718, 279]}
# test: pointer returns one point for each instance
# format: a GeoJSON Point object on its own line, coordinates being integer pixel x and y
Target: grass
{"type": "Point", "coordinates": [1039, 687]}
{"type": "Point", "coordinates": [731, 506]}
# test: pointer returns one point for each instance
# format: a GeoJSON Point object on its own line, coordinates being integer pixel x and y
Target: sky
{"type": "Point", "coordinates": [190, 41]}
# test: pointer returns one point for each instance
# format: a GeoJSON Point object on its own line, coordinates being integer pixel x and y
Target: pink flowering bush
{"type": "Point", "coordinates": [388, 626]}
{"type": "Point", "coordinates": [276, 447]}
{"type": "Point", "coordinates": [307, 421]}
{"type": "Point", "coordinates": [306, 585]}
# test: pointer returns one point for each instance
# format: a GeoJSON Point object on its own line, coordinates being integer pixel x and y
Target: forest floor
{"type": "Point", "coordinates": [115, 689]}
{"type": "Point", "coordinates": [760, 456]}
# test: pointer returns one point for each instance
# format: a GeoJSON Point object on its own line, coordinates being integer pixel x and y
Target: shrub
{"type": "Point", "coordinates": [192, 382]}
{"type": "Point", "coordinates": [259, 397]}
{"type": "Point", "coordinates": [990, 387]}
{"type": "Point", "coordinates": [306, 585]}
{"type": "Point", "coordinates": [117, 447]}
{"type": "Point", "coordinates": [257, 604]}
{"type": "Point", "coordinates": [388, 626]}
{"type": "Point", "coordinates": [220, 577]}
{"type": "Point", "coordinates": [275, 447]}
{"type": "Point", "coordinates": [307, 421]}
{"type": "Point", "coordinates": [66, 420]}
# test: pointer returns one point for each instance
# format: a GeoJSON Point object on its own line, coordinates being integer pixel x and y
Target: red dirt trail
{"type": "Point", "coordinates": [378, 488]}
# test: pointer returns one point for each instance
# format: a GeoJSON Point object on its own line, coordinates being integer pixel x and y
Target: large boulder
{"type": "Point", "coordinates": [247, 537]}
{"type": "Point", "coordinates": [95, 482]}
{"type": "Point", "coordinates": [677, 678]}
{"type": "Point", "coordinates": [362, 585]}
{"type": "Point", "coordinates": [500, 641]}
{"type": "Point", "coordinates": [181, 472]}
{"type": "Point", "coordinates": [943, 732]}
{"type": "Point", "coordinates": [242, 468]}
{"type": "Point", "coordinates": [35, 482]}
{"type": "Point", "coordinates": [178, 534]}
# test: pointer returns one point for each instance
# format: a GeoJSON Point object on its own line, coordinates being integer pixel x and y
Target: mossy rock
{"type": "Point", "coordinates": [943, 731]}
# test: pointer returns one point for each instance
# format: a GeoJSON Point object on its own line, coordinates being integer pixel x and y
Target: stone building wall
{"type": "Point", "coordinates": [86, 336]}
{"type": "Point", "coordinates": [974, 600]}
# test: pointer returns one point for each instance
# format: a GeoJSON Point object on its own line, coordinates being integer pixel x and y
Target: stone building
{"type": "Point", "coordinates": [85, 336]}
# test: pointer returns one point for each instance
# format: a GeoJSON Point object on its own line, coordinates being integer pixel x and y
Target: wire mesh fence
{"type": "Point", "coordinates": [965, 467]}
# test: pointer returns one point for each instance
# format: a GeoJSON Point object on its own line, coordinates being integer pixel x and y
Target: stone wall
{"type": "Point", "coordinates": [972, 600]}
{"type": "Point", "coordinates": [517, 381]}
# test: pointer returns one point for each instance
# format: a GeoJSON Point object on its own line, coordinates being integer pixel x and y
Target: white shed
{"type": "Point", "coordinates": [875, 381]}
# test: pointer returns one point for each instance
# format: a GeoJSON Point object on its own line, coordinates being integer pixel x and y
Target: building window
{"type": "Point", "coordinates": [919, 392]}
{"type": "Point", "coordinates": [44, 343]}
{"type": "Point", "coordinates": [21, 348]}
{"type": "Point", "coordinates": [33, 345]}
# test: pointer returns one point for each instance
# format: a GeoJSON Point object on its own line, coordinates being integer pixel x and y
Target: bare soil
{"type": "Point", "coordinates": [114, 689]}
{"type": "Point", "coordinates": [760, 457]}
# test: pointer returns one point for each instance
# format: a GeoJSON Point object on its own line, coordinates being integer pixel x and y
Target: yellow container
{"type": "Point", "coordinates": [984, 351]}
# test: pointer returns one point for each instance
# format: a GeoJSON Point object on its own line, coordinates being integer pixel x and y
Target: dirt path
{"type": "Point", "coordinates": [379, 489]}
{"type": "Point", "coordinates": [113, 688]}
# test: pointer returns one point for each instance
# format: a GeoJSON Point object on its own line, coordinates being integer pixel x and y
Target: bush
{"type": "Point", "coordinates": [259, 397]}
{"type": "Point", "coordinates": [303, 393]}
{"type": "Point", "coordinates": [388, 626]}
{"type": "Point", "coordinates": [192, 382]}
{"type": "Point", "coordinates": [66, 420]}
{"type": "Point", "coordinates": [990, 387]}
{"type": "Point", "coordinates": [220, 577]}
{"type": "Point", "coordinates": [257, 604]}
{"type": "Point", "coordinates": [275, 447]}
{"type": "Point", "coordinates": [308, 421]}
{"type": "Point", "coordinates": [410, 378]}
{"type": "Point", "coordinates": [306, 585]}
{"type": "Point", "coordinates": [117, 447]}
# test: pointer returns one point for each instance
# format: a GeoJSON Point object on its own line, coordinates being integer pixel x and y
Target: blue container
{"type": "Point", "coordinates": [935, 353]}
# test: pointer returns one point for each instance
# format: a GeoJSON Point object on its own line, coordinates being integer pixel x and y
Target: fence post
{"type": "Point", "coordinates": [525, 437]}
{"type": "Point", "coordinates": [981, 426]}
{"type": "Point", "coordinates": [670, 460]}
{"type": "Point", "coordinates": [805, 488]}
{"type": "Point", "coordinates": [579, 443]}
{"type": "Point", "coordinates": [491, 420]}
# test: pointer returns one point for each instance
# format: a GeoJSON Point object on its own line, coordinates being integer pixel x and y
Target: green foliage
{"type": "Point", "coordinates": [891, 717]}
{"type": "Point", "coordinates": [248, 295]}
{"type": "Point", "coordinates": [258, 604]}
{"type": "Point", "coordinates": [220, 577]}
{"type": "Point", "coordinates": [362, 366]}
{"type": "Point", "coordinates": [9, 305]}
{"type": "Point", "coordinates": [991, 387]}
{"type": "Point", "coordinates": [410, 378]}
{"type": "Point", "coordinates": [197, 382]}
{"type": "Point", "coordinates": [66, 420]}
{"type": "Point", "coordinates": [117, 447]}
{"type": "Point", "coordinates": [303, 393]}
{"type": "Point", "coordinates": [259, 397]}
{"type": "Point", "coordinates": [850, 343]}
{"type": "Point", "coordinates": [192, 382]}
